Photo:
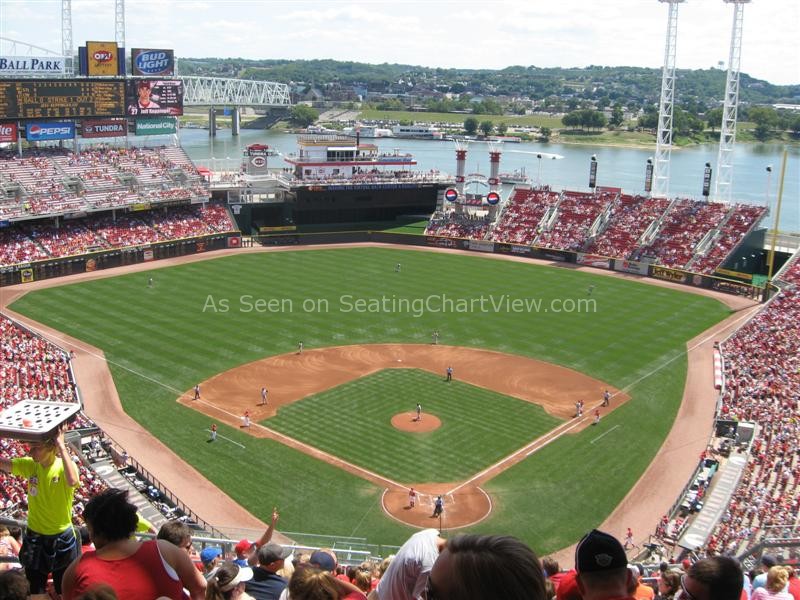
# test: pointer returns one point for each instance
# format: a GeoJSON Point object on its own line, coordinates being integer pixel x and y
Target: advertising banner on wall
{"type": "Point", "coordinates": [8, 132]}
{"type": "Point", "coordinates": [101, 59]}
{"type": "Point", "coordinates": [151, 97]}
{"type": "Point", "coordinates": [593, 260]}
{"type": "Point", "coordinates": [14, 66]}
{"type": "Point", "coordinates": [49, 130]}
{"type": "Point", "coordinates": [100, 128]}
{"type": "Point", "coordinates": [631, 266]}
{"type": "Point", "coordinates": [481, 245]}
{"type": "Point", "coordinates": [669, 274]}
{"type": "Point", "coordinates": [152, 63]}
{"type": "Point", "coordinates": [155, 126]}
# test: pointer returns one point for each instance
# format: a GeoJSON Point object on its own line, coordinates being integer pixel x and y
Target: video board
{"type": "Point", "coordinates": [154, 97]}
{"type": "Point", "coordinates": [61, 98]}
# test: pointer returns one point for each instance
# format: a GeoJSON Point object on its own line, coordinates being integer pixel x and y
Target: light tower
{"type": "Point", "coordinates": [665, 105]}
{"type": "Point", "coordinates": [119, 22]}
{"type": "Point", "coordinates": [66, 37]}
{"type": "Point", "coordinates": [727, 135]}
{"type": "Point", "coordinates": [461, 163]}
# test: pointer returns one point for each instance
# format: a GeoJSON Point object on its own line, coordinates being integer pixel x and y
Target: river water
{"type": "Point", "coordinates": [617, 166]}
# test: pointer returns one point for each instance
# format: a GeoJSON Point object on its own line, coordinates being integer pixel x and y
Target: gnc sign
{"type": "Point", "coordinates": [8, 132]}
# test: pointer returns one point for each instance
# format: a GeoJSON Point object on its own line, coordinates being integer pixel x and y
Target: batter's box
{"type": "Point", "coordinates": [36, 420]}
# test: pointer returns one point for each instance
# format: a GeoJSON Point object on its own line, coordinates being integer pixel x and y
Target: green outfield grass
{"type": "Point", "coordinates": [479, 427]}
{"type": "Point", "coordinates": [161, 341]}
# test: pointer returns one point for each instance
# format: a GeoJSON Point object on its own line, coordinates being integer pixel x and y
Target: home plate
{"type": "Point", "coordinates": [399, 360]}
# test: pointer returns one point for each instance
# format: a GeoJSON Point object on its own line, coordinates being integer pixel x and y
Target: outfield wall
{"type": "Point", "coordinates": [728, 286]}
{"type": "Point", "coordinates": [118, 257]}
{"type": "Point", "coordinates": [27, 272]}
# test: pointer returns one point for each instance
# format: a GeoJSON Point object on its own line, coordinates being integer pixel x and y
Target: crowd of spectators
{"type": "Point", "coordinates": [39, 240]}
{"type": "Point", "coordinates": [684, 226]}
{"type": "Point", "coordinates": [455, 225]}
{"type": "Point", "coordinates": [520, 220]}
{"type": "Point", "coordinates": [51, 181]}
{"type": "Point", "coordinates": [576, 213]}
{"type": "Point", "coordinates": [31, 368]}
{"type": "Point", "coordinates": [629, 218]}
{"type": "Point", "coordinates": [16, 247]}
{"type": "Point", "coordinates": [762, 379]}
{"type": "Point", "coordinates": [740, 221]}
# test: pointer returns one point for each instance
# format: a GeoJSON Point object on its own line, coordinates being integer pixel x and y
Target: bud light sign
{"type": "Point", "coordinates": [451, 195]}
{"type": "Point", "coordinates": [492, 198]}
{"type": "Point", "coordinates": [8, 132]}
{"type": "Point", "coordinates": [146, 62]}
{"type": "Point", "coordinates": [53, 130]}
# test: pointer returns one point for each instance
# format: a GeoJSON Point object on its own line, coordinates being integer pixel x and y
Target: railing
{"type": "Point", "coordinates": [173, 499]}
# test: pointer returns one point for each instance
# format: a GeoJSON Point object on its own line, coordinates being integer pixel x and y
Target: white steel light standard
{"type": "Point", "coordinates": [727, 136]}
{"type": "Point", "coordinates": [119, 23]}
{"type": "Point", "coordinates": [665, 105]}
{"type": "Point", "coordinates": [66, 37]}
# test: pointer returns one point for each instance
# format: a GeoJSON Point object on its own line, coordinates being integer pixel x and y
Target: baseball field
{"type": "Point", "coordinates": [233, 324]}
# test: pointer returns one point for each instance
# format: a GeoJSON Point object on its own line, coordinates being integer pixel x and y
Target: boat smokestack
{"type": "Point", "coordinates": [494, 170]}
{"type": "Point", "coordinates": [461, 164]}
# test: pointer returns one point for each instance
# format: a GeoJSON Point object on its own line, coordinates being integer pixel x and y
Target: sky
{"type": "Point", "coordinates": [435, 33]}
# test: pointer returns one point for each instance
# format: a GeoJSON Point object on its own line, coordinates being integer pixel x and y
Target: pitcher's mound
{"type": "Point", "coordinates": [407, 421]}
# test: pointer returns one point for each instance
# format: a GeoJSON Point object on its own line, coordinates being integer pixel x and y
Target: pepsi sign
{"type": "Point", "coordinates": [53, 130]}
{"type": "Point", "coordinates": [451, 195]}
{"type": "Point", "coordinates": [492, 198]}
{"type": "Point", "coordinates": [148, 62]}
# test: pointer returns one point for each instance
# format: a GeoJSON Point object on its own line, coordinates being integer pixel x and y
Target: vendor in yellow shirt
{"type": "Point", "coordinates": [49, 544]}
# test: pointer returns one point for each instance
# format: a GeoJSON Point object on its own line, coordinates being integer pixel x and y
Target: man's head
{"type": "Point", "coordinates": [767, 562]}
{"type": "Point", "coordinates": [550, 566]}
{"type": "Point", "coordinates": [324, 559]}
{"type": "Point", "coordinates": [210, 556]}
{"type": "Point", "coordinates": [602, 566]}
{"type": "Point", "coordinates": [176, 533]}
{"type": "Point", "coordinates": [715, 578]}
{"type": "Point", "coordinates": [271, 556]}
{"type": "Point", "coordinates": [15, 585]}
{"type": "Point", "coordinates": [486, 567]}
{"type": "Point", "coordinates": [244, 548]}
{"type": "Point", "coordinates": [43, 452]}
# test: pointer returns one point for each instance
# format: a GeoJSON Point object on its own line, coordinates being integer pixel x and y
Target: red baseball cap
{"type": "Point", "coordinates": [243, 546]}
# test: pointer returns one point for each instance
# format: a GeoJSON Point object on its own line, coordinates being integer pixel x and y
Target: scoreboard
{"type": "Point", "coordinates": [61, 98]}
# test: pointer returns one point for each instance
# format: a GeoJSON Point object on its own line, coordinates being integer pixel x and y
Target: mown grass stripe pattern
{"type": "Point", "coordinates": [479, 427]}
{"type": "Point", "coordinates": [165, 334]}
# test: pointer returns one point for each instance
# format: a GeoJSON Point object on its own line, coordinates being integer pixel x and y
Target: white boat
{"type": "Point", "coordinates": [340, 157]}
{"type": "Point", "coordinates": [517, 177]}
{"type": "Point", "coordinates": [367, 131]}
{"type": "Point", "coordinates": [417, 131]}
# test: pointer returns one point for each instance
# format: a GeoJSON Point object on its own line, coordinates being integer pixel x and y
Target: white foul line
{"type": "Point", "coordinates": [227, 439]}
{"type": "Point", "coordinates": [604, 433]}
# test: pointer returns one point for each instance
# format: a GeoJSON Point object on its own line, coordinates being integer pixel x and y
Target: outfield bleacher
{"type": "Point", "coordinates": [576, 213]}
{"type": "Point", "coordinates": [519, 223]}
{"type": "Point", "coordinates": [629, 218]}
{"type": "Point", "coordinates": [44, 239]}
{"type": "Point", "coordinates": [52, 181]}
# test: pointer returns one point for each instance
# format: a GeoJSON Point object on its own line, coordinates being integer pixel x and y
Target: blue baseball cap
{"type": "Point", "coordinates": [210, 553]}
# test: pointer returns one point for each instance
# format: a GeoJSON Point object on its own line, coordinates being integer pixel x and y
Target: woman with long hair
{"type": "Point", "coordinates": [311, 583]}
{"type": "Point", "coordinates": [133, 569]}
